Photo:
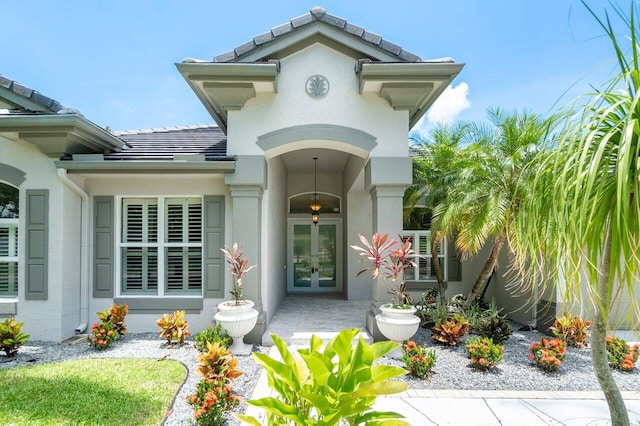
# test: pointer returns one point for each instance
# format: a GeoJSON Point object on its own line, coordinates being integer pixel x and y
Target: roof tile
{"type": "Point", "coordinates": [354, 29]}
{"type": "Point", "coordinates": [21, 90]}
{"type": "Point", "coordinates": [225, 57]}
{"type": "Point", "coordinates": [5, 82]}
{"type": "Point", "coordinates": [302, 20]}
{"type": "Point", "coordinates": [408, 56]}
{"type": "Point", "coordinates": [334, 20]}
{"type": "Point", "coordinates": [263, 38]}
{"type": "Point", "coordinates": [281, 29]}
{"type": "Point", "coordinates": [247, 47]}
{"type": "Point", "coordinates": [371, 38]}
{"type": "Point", "coordinates": [390, 47]}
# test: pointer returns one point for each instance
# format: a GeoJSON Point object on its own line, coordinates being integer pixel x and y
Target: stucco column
{"type": "Point", "coordinates": [386, 178]}
{"type": "Point", "coordinates": [247, 185]}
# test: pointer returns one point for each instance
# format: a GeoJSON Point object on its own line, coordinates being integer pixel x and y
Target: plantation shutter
{"type": "Point", "coordinates": [454, 266]}
{"type": "Point", "coordinates": [213, 242]}
{"type": "Point", "coordinates": [184, 246]}
{"type": "Point", "coordinates": [37, 242]}
{"type": "Point", "coordinates": [103, 243]}
{"type": "Point", "coordinates": [139, 251]}
{"type": "Point", "coordinates": [8, 257]}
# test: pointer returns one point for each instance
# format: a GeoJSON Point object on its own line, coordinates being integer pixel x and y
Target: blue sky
{"type": "Point", "coordinates": [114, 60]}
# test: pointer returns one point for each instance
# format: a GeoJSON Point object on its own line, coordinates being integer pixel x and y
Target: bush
{"type": "Point", "coordinates": [102, 335]}
{"type": "Point", "coordinates": [214, 397]}
{"type": "Point", "coordinates": [621, 356]}
{"type": "Point", "coordinates": [493, 325]}
{"type": "Point", "coordinates": [571, 330]}
{"type": "Point", "coordinates": [548, 354]}
{"type": "Point", "coordinates": [418, 359]}
{"type": "Point", "coordinates": [430, 314]}
{"type": "Point", "coordinates": [174, 327]}
{"type": "Point", "coordinates": [211, 335]}
{"type": "Point", "coordinates": [115, 315]}
{"type": "Point", "coordinates": [11, 336]}
{"type": "Point", "coordinates": [483, 353]}
{"type": "Point", "coordinates": [450, 330]}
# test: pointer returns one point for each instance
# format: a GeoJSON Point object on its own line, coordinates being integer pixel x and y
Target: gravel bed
{"type": "Point", "coordinates": [452, 370]}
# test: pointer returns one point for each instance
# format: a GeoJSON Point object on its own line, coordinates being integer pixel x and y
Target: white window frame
{"type": "Point", "coordinates": [12, 225]}
{"type": "Point", "coordinates": [415, 238]}
{"type": "Point", "coordinates": [162, 244]}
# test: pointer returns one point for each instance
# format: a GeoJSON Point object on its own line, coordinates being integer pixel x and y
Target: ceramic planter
{"type": "Point", "coordinates": [397, 324]}
{"type": "Point", "coordinates": [237, 321]}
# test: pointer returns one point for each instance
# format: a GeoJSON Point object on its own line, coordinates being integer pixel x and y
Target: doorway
{"type": "Point", "coordinates": [314, 256]}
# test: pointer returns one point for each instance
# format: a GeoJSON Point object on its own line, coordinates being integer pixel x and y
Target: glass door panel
{"type": "Point", "coordinates": [327, 255]}
{"type": "Point", "coordinates": [302, 257]}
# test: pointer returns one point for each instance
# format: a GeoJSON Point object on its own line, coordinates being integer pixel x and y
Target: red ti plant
{"type": "Point", "coordinates": [238, 266]}
{"type": "Point", "coordinates": [393, 258]}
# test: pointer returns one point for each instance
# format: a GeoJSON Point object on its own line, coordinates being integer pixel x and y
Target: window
{"type": "Point", "coordinates": [9, 197]}
{"type": "Point", "coordinates": [421, 243]}
{"type": "Point", "coordinates": [161, 246]}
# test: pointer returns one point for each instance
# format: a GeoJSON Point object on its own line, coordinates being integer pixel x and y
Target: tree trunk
{"type": "Point", "coordinates": [491, 263]}
{"type": "Point", "coordinates": [617, 408]}
{"type": "Point", "coordinates": [435, 260]}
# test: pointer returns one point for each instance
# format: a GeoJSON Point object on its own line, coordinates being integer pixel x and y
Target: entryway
{"type": "Point", "coordinates": [314, 256]}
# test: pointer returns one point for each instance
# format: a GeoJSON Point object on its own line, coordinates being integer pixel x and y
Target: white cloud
{"type": "Point", "coordinates": [450, 103]}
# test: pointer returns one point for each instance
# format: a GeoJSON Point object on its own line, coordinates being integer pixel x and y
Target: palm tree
{"type": "Point", "coordinates": [483, 201]}
{"type": "Point", "coordinates": [434, 171]}
{"type": "Point", "coordinates": [582, 216]}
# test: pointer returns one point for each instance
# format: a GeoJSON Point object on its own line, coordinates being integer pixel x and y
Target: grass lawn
{"type": "Point", "coordinates": [98, 391]}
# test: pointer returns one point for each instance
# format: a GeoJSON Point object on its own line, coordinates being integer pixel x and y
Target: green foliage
{"type": "Point", "coordinates": [418, 359]}
{"type": "Point", "coordinates": [115, 315]}
{"type": "Point", "coordinates": [174, 327]}
{"type": "Point", "coordinates": [449, 331]}
{"type": "Point", "coordinates": [90, 391]}
{"type": "Point", "coordinates": [211, 335]}
{"type": "Point", "coordinates": [214, 397]}
{"type": "Point", "coordinates": [621, 356]}
{"type": "Point", "coordinates": [337, 385]}
{"type": "Point", "coordinates": [571, 329]}
{"type": "Point", "coordinates": [11, 336]}
{"type": "Point", "coordinates": [102, 335]}
{"type": "Point", "coordinates": [238, 266]}
{"type": "Point", "coordinates": [430, 314]}
{"type": "Point", "coordinates": [493, 325]}
{"type": "Point", "coordinates": [483, 353]}
{"type": "Point", "coordinates": [548, 354]}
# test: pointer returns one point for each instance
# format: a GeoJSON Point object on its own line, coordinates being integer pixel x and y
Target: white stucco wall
{"type": "Point", "coordinates": [275, 242]}
{"type": "Point", "coordinates": [359, 221]}
{"type": "Point", "coordinates": [54, 318]}
{"type": "Point", "coordinates": [343, 105]}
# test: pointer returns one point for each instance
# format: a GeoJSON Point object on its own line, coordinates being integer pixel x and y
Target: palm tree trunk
{"type": "Point", "coordinates": [435, 261]}
{"type": "Point", "coordinates": [491, 263]}
{"type": "Point", "coordinates": [617, 408]}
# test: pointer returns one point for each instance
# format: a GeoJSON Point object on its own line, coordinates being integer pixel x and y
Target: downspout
{"type": "Point", "coordinates": [84, 248]}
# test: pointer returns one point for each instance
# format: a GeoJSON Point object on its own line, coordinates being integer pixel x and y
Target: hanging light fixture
{"type": "Point", "coordinates": [315, 205]}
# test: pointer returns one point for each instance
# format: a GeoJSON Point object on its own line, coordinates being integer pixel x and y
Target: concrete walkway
{"type": "Point", "coordinates": [300, 316]}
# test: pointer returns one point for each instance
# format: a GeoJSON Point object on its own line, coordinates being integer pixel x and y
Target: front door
{"type": "Point", "coordinates": [314, 256]}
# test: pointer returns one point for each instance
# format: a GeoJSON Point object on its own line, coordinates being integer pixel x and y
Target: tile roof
{"type": "Point", "coordinates": [48, 104]}
{"type": "Point", "coordinates": [163, 144]}
{"type": "Point", "coordinates": [317, 14]}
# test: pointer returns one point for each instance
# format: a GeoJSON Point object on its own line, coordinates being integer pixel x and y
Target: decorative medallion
{"type": "Point", "coordinates": [317, 86]}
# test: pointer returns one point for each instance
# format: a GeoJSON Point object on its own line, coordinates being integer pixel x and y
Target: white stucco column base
{"type": "Point", "coordinates": [386, 178]}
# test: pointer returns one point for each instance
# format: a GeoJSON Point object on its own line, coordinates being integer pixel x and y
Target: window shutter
{"type": "Point", "coordinates": [103, 240]}
{"type": "Point", "coordinates": [213, 242]}
{"type": "Point", "coordinates": [37, 242]}
{"type": "Point", "coordinates": [454, 267]}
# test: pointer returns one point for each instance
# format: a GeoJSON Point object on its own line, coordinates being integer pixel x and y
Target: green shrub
{"type": "Point", "coordinates": [483, 353]}
{"type": "Point", "coordinates": [548, 354]}
{"type": "Point", "coordinates": [418, 359]}
{"type": "Point", "coordinates": [621, 356]}
{"type": "Point", "coordinates": [450, 330]}
{"type": "Point", "coordinates": [115, 315]}
{"type": "Point", "coordinates": [493, 325]}
{"type": "Point", "coordinates": [102, 335]}
{"type": "Point", "coordinates": [571, 329]}
{"type": "Point", "coordinates": [337, 385]}
{"type": "Point", "coordinates": [174, 327]}
{"type": "Point", "coordinates": [11, 336]}
{"type": "Point", "coordinates": [211, 335]}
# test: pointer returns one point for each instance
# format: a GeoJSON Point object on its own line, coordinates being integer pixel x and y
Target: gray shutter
{"type": "Point", "coordinates": [213, 242]}
{"type": "Point", "coordinates": [454, 266]}
{"type": "Point", "coordinates": [37, 244]}
{"type": "Point", "coordinates": [103, 242]}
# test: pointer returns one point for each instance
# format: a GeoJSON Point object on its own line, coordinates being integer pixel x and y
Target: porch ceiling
{"type": "Point", "coordinates": [329, 161]}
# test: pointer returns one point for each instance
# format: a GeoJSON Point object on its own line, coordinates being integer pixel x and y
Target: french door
{"type": "Point", "coordinates": [314, 256]}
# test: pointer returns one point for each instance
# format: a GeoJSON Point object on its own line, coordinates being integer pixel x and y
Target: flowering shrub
{"type": "Point", "coordinates": [211, 335]}
{"type": "Point", "coordinates": [621, 355]}
{"type": "Point", "coordinates": [418, 359]}
{"type": "Point", "coordinates": [483, 353]}
{"type": "Point", "coordinates": [102, 335]}
{"type": "Point", "coordinates": [115, 315]}
{"type": "Point", "coordinates": [214, 397]}
{"type": "Point", "coordinates": [548, 354]}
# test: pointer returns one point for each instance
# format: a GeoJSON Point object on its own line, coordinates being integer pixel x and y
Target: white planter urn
{"type": "Point", "coordinates": [397, 324]}
{"type": "Point", "coordinates": [237, 321]}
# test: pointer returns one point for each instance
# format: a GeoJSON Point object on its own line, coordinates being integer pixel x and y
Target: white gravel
{"type": "Point", "coordinates": [452, 370]}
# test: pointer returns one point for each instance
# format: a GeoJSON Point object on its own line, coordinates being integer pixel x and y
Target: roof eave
{"type": "Point", "coordinates": [59, 134]}
{"type": "Point", "coordinates": [147, 167]}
